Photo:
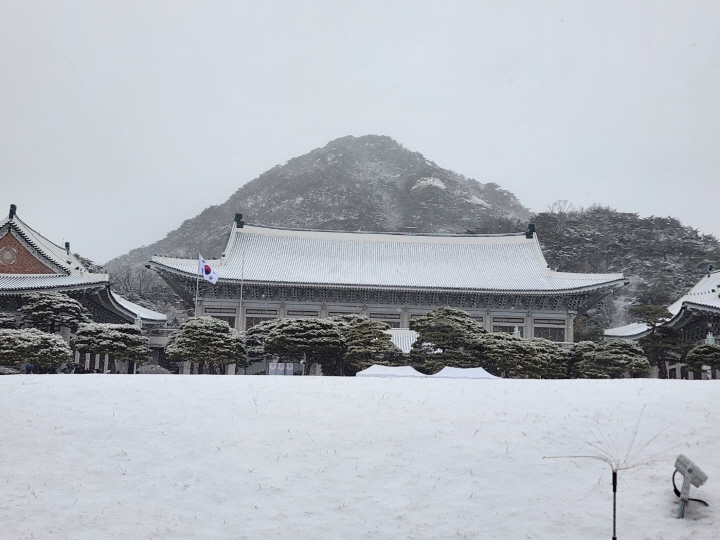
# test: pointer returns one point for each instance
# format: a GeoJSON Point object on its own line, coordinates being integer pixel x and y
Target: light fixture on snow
{"type": "Point", "coordinates": [692, 476]}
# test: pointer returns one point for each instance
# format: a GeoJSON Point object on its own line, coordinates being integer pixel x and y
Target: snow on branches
{"type": "Point", "coordinates": [205, 339]}
{"type": "Point", "coordinates": [123, 342]}
{"type": "Point", "coordinates": [32, 346]}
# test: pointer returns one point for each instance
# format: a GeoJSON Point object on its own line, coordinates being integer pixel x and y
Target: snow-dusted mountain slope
{"type": "Point", "coordinates": [369, 183]}
{"type": "Point", "coordinates": [168, 457]}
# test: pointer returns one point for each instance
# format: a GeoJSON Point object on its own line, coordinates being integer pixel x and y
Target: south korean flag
{"type": "Point", "coordinates": [206, 271]}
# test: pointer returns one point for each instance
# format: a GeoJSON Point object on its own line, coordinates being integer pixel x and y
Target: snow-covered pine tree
{"type": "Point", "coordinates": [315, 340]}
{"type": "Point", "coordinates": [124, 342]}
{"type": "Point", "coordinates": [612, 358]}
{"type": "Point", "coordinates": [366, 344]}
{"type": "Point", "coordinates": [510, 356]}
{"type": "Point", "coordinates": [206, 340]}
{"type": "Point", "coordinates": [32, 346]}
{"type": "Point", "coordinates": [255, 339]}
{"type": "Point", "coordinates": [554, 359]}
{"type": "Point", "coordinates": [446, 337]}
{"type": "Point", "coordinates": [48, 311]}
{"type": "Point", "coordinates": [576, 355]}
{"type": "Point", "coordinates": [703, 355]}
{"type": "Point", "coordinates": [8, 321]}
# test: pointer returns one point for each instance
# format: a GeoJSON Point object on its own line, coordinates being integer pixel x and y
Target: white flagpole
{"type": "Point", "coordinates": [242, 282]}
{"type": "Point", "coordinates": [197, 286]}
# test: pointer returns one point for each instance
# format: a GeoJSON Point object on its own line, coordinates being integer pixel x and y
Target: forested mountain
{"type": "Point", "coordinates": [661, 257]}
{"type": "Point", "coordinates": [369, 183]}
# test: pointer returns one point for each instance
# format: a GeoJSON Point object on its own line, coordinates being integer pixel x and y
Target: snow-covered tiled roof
{"type": "Point", "coordinates": [13, 283]}
{"type": "Point", "coordinates": [53, 253]}
{"type": "Point", "coordinates": [145, 313]}
{"type": "Point", "coordinates": [508, 262]}
{"type": "Point", "coordinates": [705, 294]}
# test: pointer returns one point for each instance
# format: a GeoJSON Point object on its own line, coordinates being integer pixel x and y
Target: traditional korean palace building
{"type": "Point", "coordinates": [696, 315]}
{"type": "Point", "coordinates": [29, 262]}
{"type": "Point", "coordinates": [503, 281]}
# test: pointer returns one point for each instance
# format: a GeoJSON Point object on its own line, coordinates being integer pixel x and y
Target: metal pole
{"type": "Point", "coordinates": [197, 286]}
{"type": "Point", "coordinates": [614, 536]}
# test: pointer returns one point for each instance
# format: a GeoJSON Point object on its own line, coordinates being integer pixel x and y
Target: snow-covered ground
{"type": "Point", "coordinates": [210, 457]}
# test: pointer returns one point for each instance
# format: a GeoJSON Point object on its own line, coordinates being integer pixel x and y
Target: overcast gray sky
{"type": "Point", "coordinates": [118, 120]}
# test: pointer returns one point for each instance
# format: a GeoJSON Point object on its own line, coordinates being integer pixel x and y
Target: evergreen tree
{"type": "Point", "coordinates": [206, 340]}
{"type": "Point", "coordinates": [612, 358]}
{"type": "Point", "coordinates": [124, 342]}
{"type": "Point", "coordinates": [510, 356]}
{"type": "Point", "coordinates": [553, 358]}
{"type": "Point", "coordinates": [255, 339]}
{"type": "Point", "coordinates": [366, 344]}
{"type": "Point", "coordinates": [446, 337]}
{"type": "Point", "coordinates": [576, 355]}
{"type": "Point", "coordinates": [31, 346]}
{"type": "Point", "coordinates": [8, 321]}
{"type": "Point", "coordinates": [314, 340]}
{"type": "Point", "coordinates": [49, 311]}
{"type": "Point", "coordinates": [663, 345]}
{"type": "Point", "coordinates": [703, 355]}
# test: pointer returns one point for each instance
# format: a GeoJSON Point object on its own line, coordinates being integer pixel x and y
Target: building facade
{"type": "Point", "coordinates": [503, 281]}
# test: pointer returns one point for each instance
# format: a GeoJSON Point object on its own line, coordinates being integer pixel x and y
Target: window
{"type": "Point", "coordinates": [510, 320]}
{"type": "Point", "coordinates": [556, 322]}
{"type": "Point", "coordinates": [302, 313]}
{"type": "Point", "coordinates": [251, 311]}
{"type": "Point", "coordinates": [510, 329]}
{"type": "Point", "coordinates": [553, 334]}
{"type": "Point", "coordinates": [229, 320]}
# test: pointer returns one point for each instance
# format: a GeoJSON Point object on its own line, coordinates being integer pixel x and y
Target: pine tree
{"type": "Point", "coordinates": [205, 340]}
{"type": "Point", "coordinates": [510, 356]}
{"type": "Point", "coordinates": [31, 346]}
{"type": "Point", "coordinates": [446, 337]}
{"type": "Point", "coordinates": [124, 342]}
{"type": "Point", "coordinates": [312, 340]}
{"type": "Point", "coordinates": [8, 321]}
{"type": "Point", "coordinates": [576, 355]}
{"type": "Point", "coordinates": [612, 358]}
{"type": "Point", "coordinates": [703, 355]}
{"type": "Point", "coordinates": [366, 344]}
{"type": "Point", "coordinates": [553, 358]}
{"type": "Point", "coordinates": [49, 311]}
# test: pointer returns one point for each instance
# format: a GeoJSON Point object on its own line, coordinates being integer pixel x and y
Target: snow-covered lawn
{"type": "Point", "coordinates": [211, 457]}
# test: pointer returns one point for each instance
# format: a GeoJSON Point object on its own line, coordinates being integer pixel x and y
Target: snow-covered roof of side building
{"type": "Point", "coordinates": [144, 313]}
{"type": "Point", "coordinates": [52, 267]}
{"type": "Point", "coordinates": [402, 338]}
{"type": "Point", "coordinates": [705, 295]}
{"type": "Point", "coordinates": [507, 263]}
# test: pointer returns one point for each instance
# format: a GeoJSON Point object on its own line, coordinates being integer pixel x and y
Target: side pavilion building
{"type": "Point", "coordinates": [29, 262]}
{"type": "Point", "coordinates": [695, 315]}
{"type": "Point", "coordinates": [503, 281]}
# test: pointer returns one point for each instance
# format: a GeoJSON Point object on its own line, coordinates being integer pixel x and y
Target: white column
{"type": "Point", "coordinates": [106, 363]}
{"type": "Point", "coordinates": [97, 361]}
{"type": "Point", "coordinates": [230, 369]}
{"type": "Point", "coordinates": [77, 357]}
{"type": "Point", "coordinates": [87, 360]}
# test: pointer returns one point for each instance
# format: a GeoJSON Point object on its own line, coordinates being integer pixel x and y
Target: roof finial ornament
{"type": "Point", "coordinates": [530, 232]}
{"type": "Point", "coordinates": [13, 210]}
{"type": "Point", "coordinates": [710, 269]}
{"type": "Point", "coordinates": [239, 223]}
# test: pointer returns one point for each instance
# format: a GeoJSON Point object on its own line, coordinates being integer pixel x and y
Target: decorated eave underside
{"type": "Point", "coordinates": [576, 301]}
{"type": "Point", "coordinates": [509, 265]}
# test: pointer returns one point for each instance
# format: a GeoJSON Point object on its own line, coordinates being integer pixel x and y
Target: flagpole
{"type": "Point", "coordinates": [197, 286]}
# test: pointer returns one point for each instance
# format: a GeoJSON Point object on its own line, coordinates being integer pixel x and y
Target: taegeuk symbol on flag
{"type": "Point", "coordinates": [206, 271]}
